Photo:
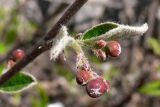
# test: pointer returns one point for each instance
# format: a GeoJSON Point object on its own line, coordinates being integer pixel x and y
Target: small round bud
{"type": "Point", "coordinates": [101, 44]}
{"type": "Point", "coordinates": [82, 77]}
{"type": "Point", "coordinates": [97, 87]}
{"type": "Point", "coordinates": [100, 54]}
{"type": "Point", "coordinates": [18, 54]}
{"type": "Point", "coordinates": [114, 48]}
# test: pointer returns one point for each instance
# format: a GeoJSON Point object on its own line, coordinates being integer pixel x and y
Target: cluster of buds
{"type": "Point", "coordinates": [105, 49]}
{"type": "Point", "coordinates": [17, 55]}
{"type": "Point", "coordinates": [95, 84]}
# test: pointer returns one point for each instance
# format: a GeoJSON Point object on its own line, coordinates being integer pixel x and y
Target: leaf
{"type": "Point", "coordinates": [112, 31]}
{"type": "Point", "coordinates": [99, 30]}
{"type": "Point", "coordinates": [154, 45]}
{"type": "Point", "coordinates": [152, 88]}
{"type": "Point", "coordinates": [18, 83]}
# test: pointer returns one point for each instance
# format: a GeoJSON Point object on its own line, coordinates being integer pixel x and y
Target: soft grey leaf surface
{"type": "Point", "coordinates": [122, 31]}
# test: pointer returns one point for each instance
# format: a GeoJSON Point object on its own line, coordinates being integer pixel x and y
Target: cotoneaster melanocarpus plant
{"type": "Point", "coordinates": [102, 39]}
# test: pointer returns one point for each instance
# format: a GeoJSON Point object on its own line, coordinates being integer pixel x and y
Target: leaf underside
{"type": "Point", "coordinates": [99, 29]}
{"type": "Point", "coordinates": [18, 83]}
{"type": "Point", "coordinates": [112, 31]}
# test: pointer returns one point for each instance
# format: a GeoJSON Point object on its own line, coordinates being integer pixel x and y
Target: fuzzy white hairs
{"type": "Point", "coordinates": [60, 42]}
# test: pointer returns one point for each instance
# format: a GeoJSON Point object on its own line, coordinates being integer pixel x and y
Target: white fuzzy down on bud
{"type": "Point", "coordinates": [60, 42]}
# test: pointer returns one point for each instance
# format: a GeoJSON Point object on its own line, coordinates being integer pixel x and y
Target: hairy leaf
{"type": "Point", "coordinates": [18, 83]}
{"type": "Point", "coordinates": [99, 29]}
{"type": "Point", "coordinates": [111, 31]}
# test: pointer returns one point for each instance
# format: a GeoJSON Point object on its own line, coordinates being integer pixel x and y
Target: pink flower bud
{"type": "Point", "coordinates": [97, 87]}
{"type": "Point", "coordinates": [82, 77]}
{"type": "Point", "coordinates": [101, 54]}
{"type": "Point", "coordinates": [18, 54]}
{"type": "Point", "coordinates": [101, 44]}
{"type": "Point", "coordinates": [114, 48]}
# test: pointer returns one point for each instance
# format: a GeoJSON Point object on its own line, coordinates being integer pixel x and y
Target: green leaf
{"type": "Point", "coordinates": [99, 29]}
{"type": "Point", "coordinates": [18, 83]}
{"type": "Point", "coordinates": [151, 88]}
{"type": "Point", "coordinates": [154, 45]}
{"type": "Point", "coordinates": [111, 31]}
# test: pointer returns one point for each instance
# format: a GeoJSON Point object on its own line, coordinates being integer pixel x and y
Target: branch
{"type": "Point", "coordinates": [44, 45]}
{"type": "Point", "coordinates": [65, 18]}
{"type": "Point", "coordinates": [36, 36]}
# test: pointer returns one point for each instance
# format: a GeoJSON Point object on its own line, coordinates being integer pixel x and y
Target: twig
{"type": "Point", "coordinates": [65, 18]}
{"type": "Point", "coordinates": [37, 35]}
{"type": "Point", "coordinates": [44, 44]}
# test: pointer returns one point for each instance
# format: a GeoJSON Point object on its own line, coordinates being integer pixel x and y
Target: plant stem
{"type": "Point", "coordinates": [65, 18]}
{"type": "Point", "coordinates": [44, 45]}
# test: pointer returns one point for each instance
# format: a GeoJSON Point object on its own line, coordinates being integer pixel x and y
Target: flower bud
{"type": "Point", "coordinates": [97, 87]}
{"type": "Point", "coordinates": [101, 44]}
{"type": "Point", "coordinates": [18, 54]}
{"type": "Point", "coordinates": [82, 77]}
{"type": "Point", "coordinates": [114, 48]}
{"type": "Point", "coordinates": [100, 54]}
